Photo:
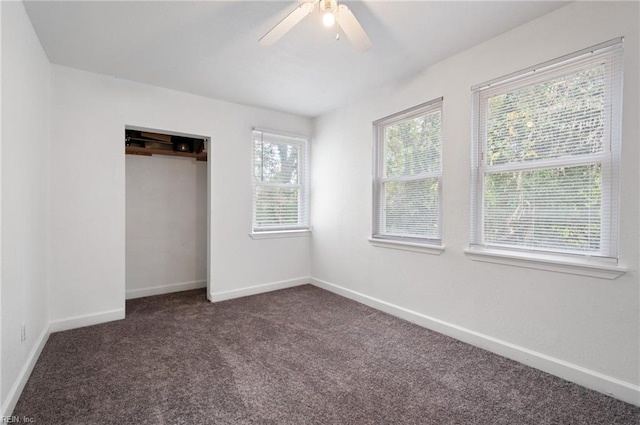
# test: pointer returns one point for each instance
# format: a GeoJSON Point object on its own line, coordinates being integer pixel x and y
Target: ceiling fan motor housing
{"type": "Point", "coordinates": [329, 5]}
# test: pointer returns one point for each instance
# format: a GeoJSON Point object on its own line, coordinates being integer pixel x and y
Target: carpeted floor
{"type": "Point", "coordinates": [296, 356]}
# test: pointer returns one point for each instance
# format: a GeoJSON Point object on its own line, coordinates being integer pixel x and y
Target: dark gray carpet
{"type": "Point", "coordinates": [297, 356]}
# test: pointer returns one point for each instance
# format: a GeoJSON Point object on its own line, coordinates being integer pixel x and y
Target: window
{"type": "Point", "coordinates": [547, 146]}
{"type": "Point", "coordinates": [407, 175]}
{"type": "Point", "coordinates": [280, 200]}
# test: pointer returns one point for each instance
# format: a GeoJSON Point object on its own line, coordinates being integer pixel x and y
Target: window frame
{"type": "Point", "coordinates": [302, 228]}
{"type": "Point", "coordinates": [579, 262]}
{"type": "Point", "coordinates": [403, 241]}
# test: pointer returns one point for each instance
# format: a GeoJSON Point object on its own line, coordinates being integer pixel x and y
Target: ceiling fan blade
{"type": "Point", "coordinates": [353, 29]}
{"type": "Point", "coordinates": [287, 23]}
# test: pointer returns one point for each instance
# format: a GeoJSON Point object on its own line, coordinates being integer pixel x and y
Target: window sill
{"type": "Point", "coordinates": [407, 246]}
{"type": "Point", "coordinates": [280, 234]}
{"type": "Point", "coordinates": [593, 267]}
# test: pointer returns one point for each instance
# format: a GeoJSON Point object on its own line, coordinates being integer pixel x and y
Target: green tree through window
{"type": "Point", "coordinates": [546, 150]}
{"type": "Point", "coordinates": [279, 182]}
{"type": "Point", "coordinates": [408, 174]}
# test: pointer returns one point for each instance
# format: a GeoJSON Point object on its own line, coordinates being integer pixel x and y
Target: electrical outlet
{"type": "Point", "coordinates": [23, 332]}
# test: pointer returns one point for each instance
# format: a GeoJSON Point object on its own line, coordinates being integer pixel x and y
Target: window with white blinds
{"type": "Point", "coordinates": [546, 155]}
{"type": "Point", "coordinates": [280, 169]}
{"type": "Point", "coordinates": [407, 175]}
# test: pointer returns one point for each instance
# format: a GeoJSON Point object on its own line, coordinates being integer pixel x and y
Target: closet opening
{"type": "Point", "coordinates": [166, 212]}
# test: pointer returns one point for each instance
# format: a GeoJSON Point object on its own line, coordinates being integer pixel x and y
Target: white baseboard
{"type": "Point", "coordinates": [614, 387]}
{"type": "Point", "coordinates": [165, 289]}
{"type": "Point", "coordinates": [86, 320]}
{"type": "Point", "coordinates": [258, 289]}
{"type": "Point", "coordinates": [25, 373]}
{"type": "Point", "coordinates": [53, 326]}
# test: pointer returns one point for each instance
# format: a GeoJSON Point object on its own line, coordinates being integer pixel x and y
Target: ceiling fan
{"type": "Point", "coordinates": [333, 14]}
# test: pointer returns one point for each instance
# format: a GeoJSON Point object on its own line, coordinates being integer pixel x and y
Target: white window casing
{"type": "Point", "coordinates": [545, 159]}
{"type": "Point", "coordinates": [280, 169]}
{"type": "Point", "coordinates": [407, 179]}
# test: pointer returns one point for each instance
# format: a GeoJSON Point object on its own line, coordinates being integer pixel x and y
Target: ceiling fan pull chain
{"type": "Point", "coordinates": [337, 21]}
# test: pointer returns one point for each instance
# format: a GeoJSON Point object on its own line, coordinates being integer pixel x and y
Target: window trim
{"type": "Point", "coordinates": [428, 245]}
{"type": "Point", "coordinates": [524, 73]}
{"type": "Point", "coordinates": [582, 263]}
{"type": "Point", "coordinates": [407, 246]}
{"type": "Point", "coordinates": [281, 234]}
{"type": "Point", "coordinates": [303, 229]}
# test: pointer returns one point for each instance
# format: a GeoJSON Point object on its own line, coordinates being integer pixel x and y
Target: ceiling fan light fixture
{"type": "Point", "coordinates": [329, 19]}
{"type": "Point", "coordinates": [334, 14]}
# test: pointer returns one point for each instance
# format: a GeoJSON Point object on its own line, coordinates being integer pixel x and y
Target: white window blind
{"type": "Point", "coordinates": [546, 155]}
{"type": "Point", "coordinates": [407, 175]}
{"type": "Point", "coordinates": [280, 168]}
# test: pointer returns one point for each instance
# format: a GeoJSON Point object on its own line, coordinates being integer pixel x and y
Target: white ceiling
{"type": "Point", "coordinates": [210, 48]}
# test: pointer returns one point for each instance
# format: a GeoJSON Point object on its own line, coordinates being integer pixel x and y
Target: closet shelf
{"type": "Point", "coordinates": [147, 143]}
{"type": "Point", "coordinates": [136, 150]}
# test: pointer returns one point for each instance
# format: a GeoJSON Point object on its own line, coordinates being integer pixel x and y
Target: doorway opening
{"type": "Point", "coordinates": [166, 212]}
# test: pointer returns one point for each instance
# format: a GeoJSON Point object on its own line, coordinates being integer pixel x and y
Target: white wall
{"type": "Point", "coordinates": [89, 114]}
{"type": "Point", "coordinates": [586, 322]}
{"type": "Point", "coordinates": [166, 224]}
{"type": "Point", "coordinates": [24, 165]}
{"type": "Point", "coordinates": [1, 101]}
